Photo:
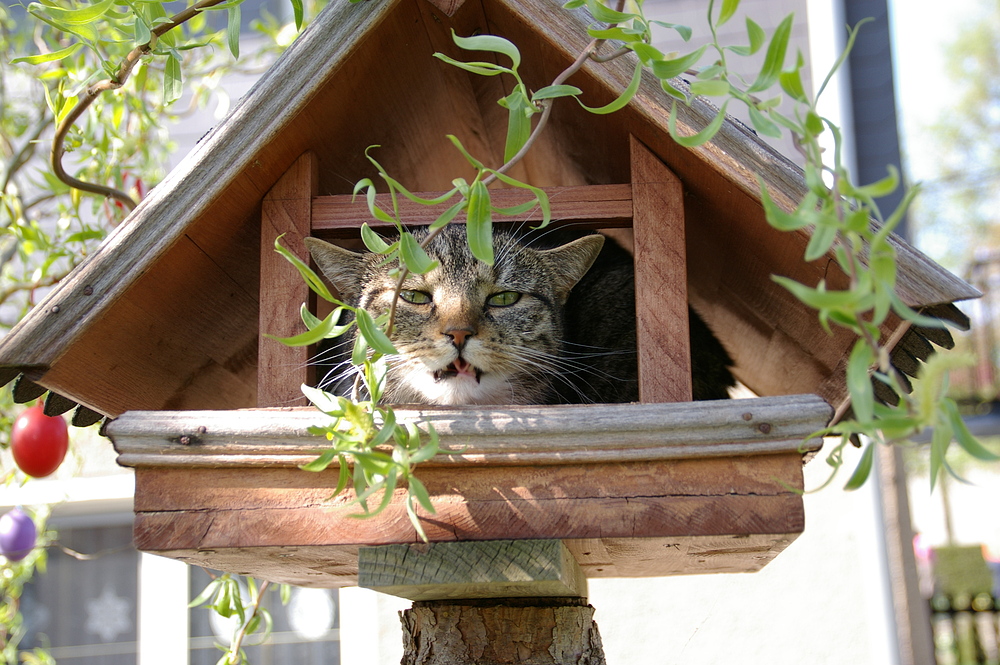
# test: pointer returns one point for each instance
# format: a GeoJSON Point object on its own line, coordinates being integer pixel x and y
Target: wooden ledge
{"type": "Point", "coordinates": [597, 433]}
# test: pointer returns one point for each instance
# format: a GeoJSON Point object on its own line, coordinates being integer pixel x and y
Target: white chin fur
{"type": "Point", "coordinates": [461, 389]}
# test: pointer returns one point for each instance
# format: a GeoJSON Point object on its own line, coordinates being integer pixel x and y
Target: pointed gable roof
{"type": "Point", "coordinates": [164, 315]}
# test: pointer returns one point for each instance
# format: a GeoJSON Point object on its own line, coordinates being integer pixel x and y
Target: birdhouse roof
{"type": "Point", "coordinates": [164, 315]}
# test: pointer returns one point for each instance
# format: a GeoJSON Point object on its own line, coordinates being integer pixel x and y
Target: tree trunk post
{"type": "Point", "coordinates": [487, 602]}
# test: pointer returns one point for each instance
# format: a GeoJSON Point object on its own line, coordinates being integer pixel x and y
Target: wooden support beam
{"type": "Point", "coordinates": [475, 569]}
{"type": "Point", "coordinates": [287, 210]}
{"type": "Point", "coordinates": [660, 280]}
{"type": "Point", "coordinates": [595, 206]}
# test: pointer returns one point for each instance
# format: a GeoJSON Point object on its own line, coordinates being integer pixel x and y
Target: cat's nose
{"type": "Point", "coordinates": [459, 335]}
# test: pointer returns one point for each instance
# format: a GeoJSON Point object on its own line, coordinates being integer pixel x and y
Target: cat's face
{"type": "Point", "coordinates": [467, 332]}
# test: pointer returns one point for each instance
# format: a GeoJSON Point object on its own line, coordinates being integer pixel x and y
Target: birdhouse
{"type": "Point", "coordinates": [161, 330]}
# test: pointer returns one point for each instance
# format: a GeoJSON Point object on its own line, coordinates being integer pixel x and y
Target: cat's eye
{"type": "Point", "coordinates": [415, 297]}
{"type": "Point", "coordinates": [503, 299]}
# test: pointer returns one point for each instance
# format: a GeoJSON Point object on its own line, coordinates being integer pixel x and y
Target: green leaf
{"type": "Point", "coordinates": [479, 223]}
{"type": "Point", "coordinates": [418, 490]}
{"type": "Point", "coordinates": [682, 30]}
{"type": "Point", "coordinates": [775, 58]}
{"type": "Point", "coordinates": [668, 69]}
{"type": "Point", "coordinates": [818, 298]}
{"type": "Point", "coordinates": [414, 256]}
{"type": "Point", "coordinates": [448, 215]}
{"type": "Point", "coordinates": [233, 19]}
{"type": "Point", "coordinates": [481, 68]}
{"type": "Point", "coordinates": [776, 216]}
{"type": "Point", "coordinates": [458, 182]}
{"type": "Point", "coordinates": [373, 334]}
{"type": "Point", "coordinates": [623, 99]}
{"type": "Point", "coordinates": [48, 57]}
{"type": "Point", "coordinates": [964, 437]}
{"type": "Point", "coordinates": [519, 110]}
{"type": "Point", "coordinates": [820, 242]}
{"type": "Point", "coordinates": [704, 136]}
{"type": "Point", "coordinates": [605, 14]}
{"type": "Point", "coordinates": [374, 241]}
{"type": "Point", "coordinates": [370, 193]}
{"type": "Point", "coordinates": [729, 8]}
{"type": "Point", "coordinates": [327, 328]}
{"type": "Point", "coordinates": [298, 12]}
{"type": "Point", "coordinates": [859, 383]}
{"type": "Point", "coordinates": [332, 405]}
{"type": "Point", "coordinates": [172, 87]}
{"type": "Point", "coordinates": [203, 597]}
{"type": "Point", "coordinates": [556, 91]}
{"type": "Point", "coordinates": [85, 15]}
{"type": "Point", "coordinates": [762, 123]}
{"type": "Point", "coordinates": [312, 279]}
{"type": "Point", "coordinates": [489, 43]}
{"type": "Point", "coordinates": [388, 429]}
{"type": "Point", "coordinates": [863, 469]}
{"type": "Point", "coordinates": [713, 88]}
{"type": "Point", "coordinates": [321, 463]}
{"type": "Point", "coordinates": [791, 83]}
{"type": "Point", "coordinates": [540, 196]}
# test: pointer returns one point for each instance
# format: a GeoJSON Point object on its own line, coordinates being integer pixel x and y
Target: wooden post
{"type": "Point", "coordinates": [488, 602]}
{"type": "Point", "coordinates": [287, 209]}
{"type": "Point", "coordinates": [661, 305]}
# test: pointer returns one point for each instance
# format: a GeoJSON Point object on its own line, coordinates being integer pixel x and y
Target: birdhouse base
{"type": "Point", "coordinates": [631, 490]}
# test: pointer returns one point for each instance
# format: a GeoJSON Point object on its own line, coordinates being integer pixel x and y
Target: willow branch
{"type": "Point", "coordinates": [94, 91]}
{"type": "Point", "coordinates": [237, 644]}
{"type": "Point", "coordinates": [25, 153]}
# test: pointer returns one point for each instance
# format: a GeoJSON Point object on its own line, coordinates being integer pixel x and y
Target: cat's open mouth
{"type": "Point", "coordinates": [459, 367]}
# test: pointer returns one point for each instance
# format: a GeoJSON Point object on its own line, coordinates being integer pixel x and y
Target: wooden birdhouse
{"type": "Point", "coordinates": [161, 329]}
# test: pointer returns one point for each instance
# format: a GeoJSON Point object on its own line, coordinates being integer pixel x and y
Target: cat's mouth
{"type": "Point", "coordinates": [459, 367]}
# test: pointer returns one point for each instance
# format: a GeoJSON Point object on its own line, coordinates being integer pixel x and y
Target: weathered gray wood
{"type": "Point", "coordinates": [526, 435]}
{"type": "Point", "coordinates": [484, 569]}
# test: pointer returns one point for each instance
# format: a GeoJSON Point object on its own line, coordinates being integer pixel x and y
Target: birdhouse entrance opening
{"type": "Point", "coordinates": [651, 205]}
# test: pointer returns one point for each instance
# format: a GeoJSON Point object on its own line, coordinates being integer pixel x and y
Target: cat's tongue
{"type": "Point", "coordinates": [463, 367]}
{"type": "Point", "coordinates": [460, 367]}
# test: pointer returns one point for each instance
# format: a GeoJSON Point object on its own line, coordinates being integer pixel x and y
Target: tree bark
{"type": "Point", "coordinates": [500, 631]}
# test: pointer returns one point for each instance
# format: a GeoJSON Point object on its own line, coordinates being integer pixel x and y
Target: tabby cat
{"type": "Point", "coordinates": [552, 321]}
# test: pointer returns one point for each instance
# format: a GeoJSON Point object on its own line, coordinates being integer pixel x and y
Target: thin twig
{"type": "Point", "coordinates": [237, 644]}
{"type": "Point", "coordinates": [94, 91]}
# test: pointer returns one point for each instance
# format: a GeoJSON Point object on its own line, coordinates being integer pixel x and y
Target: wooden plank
{"type": "Point", "coordinates": [333, 566]}
{"type": "Point", "coordinates": [480, 569]}
{"type": "Point", "coordinates": [286, 212]}
{"type": "Point", "coordinates": [661, 303]}
{"type": "Point", "coordinates": [686, 516]}
{"type": "Point", "coordinates": [699, 515]}
{"type": "Point", "coordinates": [603, 206]}
{"type": "Point", "coordinates": [535, 435]}
{"type": "Point", "coordinates": [180, 339]}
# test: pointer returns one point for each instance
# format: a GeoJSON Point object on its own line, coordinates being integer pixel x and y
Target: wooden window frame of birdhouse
{"type": "Point", "coordinates": [652, 205]}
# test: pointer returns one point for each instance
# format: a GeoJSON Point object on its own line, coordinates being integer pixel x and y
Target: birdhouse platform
{"type": "Point", "coordinates": [632, 490]}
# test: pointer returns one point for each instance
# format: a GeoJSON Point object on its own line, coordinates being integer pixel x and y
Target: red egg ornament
{"type": "Point", "coordinates": [17, 535]}
{"type": "Point", "coordinates": [38, 442]}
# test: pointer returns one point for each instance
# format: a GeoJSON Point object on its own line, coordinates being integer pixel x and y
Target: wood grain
{"type": "Point", "coordinates": [525, 435]}
{"type": "Point", "coordinates": [286, 212]}
{"type": "Point", "coordinates": [478, 569]}
{"type": "Point", "coordinates": [661, 302]}
{"type": "Point", "coordinates": [602, 206]}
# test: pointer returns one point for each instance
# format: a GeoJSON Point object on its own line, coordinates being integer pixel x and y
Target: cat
{"type": "Point", "coordinates": [552, 321]}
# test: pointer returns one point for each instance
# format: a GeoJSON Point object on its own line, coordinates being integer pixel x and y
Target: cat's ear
{"type": "Point", "coordinates": [570, 262]}
{"type": "Point", "coordinates": [341, 266]}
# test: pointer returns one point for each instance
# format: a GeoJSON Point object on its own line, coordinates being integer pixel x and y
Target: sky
{"type": "Point", "coordinates": [920, 31]}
